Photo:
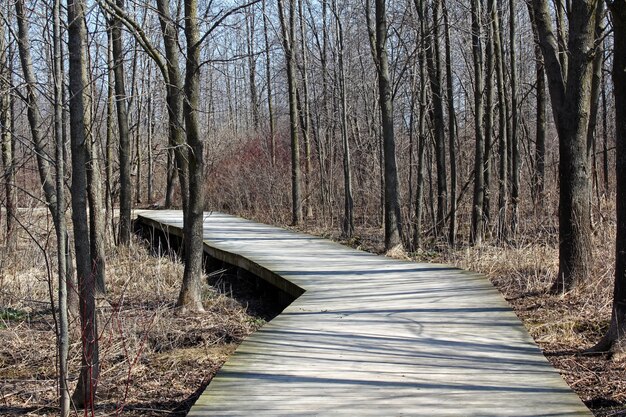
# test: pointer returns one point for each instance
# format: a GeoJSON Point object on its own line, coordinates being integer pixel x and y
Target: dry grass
{"type": "Point", "coordinates": [154, 361]}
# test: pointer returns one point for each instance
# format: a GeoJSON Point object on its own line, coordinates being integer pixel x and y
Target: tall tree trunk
{"type": "Point", "coordinates": [538, 177]}
{"type": "Point", "coordinates": [419, 188]}
{"type": "Point", "coordinates": [288, 35]}
{"type": "Point", "coordinates": [268, 75]}
{"type": "Point", "coordinates": [596, 84]}
{"type": "Point", "coordinates": [489, 73]}
{"type": "Point", "coordinates": [378, 40]}
{"type": "Point", "coordinates": [615, 338]}
{"type": "Point", "coordinates": [306, 114]}
{"type": "Point", "coordinates": [477, 227]}
{"type": "Point", "coordinates": [605, 139]}
{"type": "Point", "coordinates": [84, 395]}
{"type": "Point", "coordinates": [61, 226]}
{"type": "Point", "coordinates": [433, 59]}
{"type": "Point", "coordinates": [121, 102]}
{"type": "Point", "coordinates": [8, 140]}
{"type": "Point", "coordinates": [150, 120]}
{"type": "Point", "coordinates": [96, 216]}
{"type": "Point", "coordinates": [515, 153]}
{"type": "Point", "coordinates": [174, 99]}
{"type": "Point", "coordinates": [108, 159]}
{"type": "Point", "coordinates": [503, 126]}
{"type": "Point", "coordinates": [254, 100]}
{"type": "Point", "coordinates": [571, 98]}
{"type": "Point", "coordinates": [348, 213]}
{"type": "Point", "coordinates": [34, 114]}
{"type": "Point", "coordinates": [190, 297]}
{"type": "Point", "coordinates": [451, 127]}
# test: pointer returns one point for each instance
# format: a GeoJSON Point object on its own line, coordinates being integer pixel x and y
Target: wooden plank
{"type": "Point", "coordinates": [373, 336]}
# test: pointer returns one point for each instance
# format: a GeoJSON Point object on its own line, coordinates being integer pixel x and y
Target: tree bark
{"type": "Point", "coordinates": [515, 153]}
{"type": "Point", "coordinates": [305, 114]}
{"type": "Point", "coordinates": [477, 226]}
{"type": "Point", "coordinates": [392, 218]}
{"type": "Point", "coordinates": [61, 226]}
{"type": "Point", "coordinates": [8, 140]}
{"type": "Point", "coordinates": [84, 395]}
{"type": "Point", "coordinates": [571, 98]}
{"type": "Point", "coordinates": [348, 213]}
{"type": "Point", "coordinates": [489, 73]}
{"type": "Point", "coordinates": [190, 297]}
{"type": "Point", "coordinates": [34, 114]}
{"type": "Point", "coordinates": [268, 75]}
{"type": "Point", "coordinates": [254, 101]}
{"type": "Point", "coordinates": [538, 176]}
{"type": "Point", "coordinates": [451, 127]}
{"type": "Point", "coordinates": [614, 341]}
{"type": "Point", "coordinates": [433, 59]}
{"type": "Point", "coordinates": [288, 35]}
{"type": "Point", "coordinates": [174, 99]}
{"type": "Point", "coordinates": [121, 102]}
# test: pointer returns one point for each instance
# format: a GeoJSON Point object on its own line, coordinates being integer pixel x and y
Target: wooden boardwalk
{"type": "Point", "coordinates": [372, 336]}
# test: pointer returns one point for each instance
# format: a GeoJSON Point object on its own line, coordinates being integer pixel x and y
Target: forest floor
{"type": "Point", "coordinates": [154, 361]}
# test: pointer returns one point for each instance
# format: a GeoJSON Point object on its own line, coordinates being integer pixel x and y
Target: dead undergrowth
{"type": "Point", "coordinates": [154, 361]}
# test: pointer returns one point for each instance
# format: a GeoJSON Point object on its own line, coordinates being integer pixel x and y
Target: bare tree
{"type": "Point", "coordinates": [614, 340]}
{"type": "Point", "coordinates": [121, 102]}
{"type": "Point", "coordinates": [348, 214]}
{"type": "Point", "coordinates": [190, 296]}
{"type": "Point", "coordinates": [433, 59]}
{"type": "Point", "coordinates": [287, 25]}
{"type": "Point", "coordinates": [477, 228]}
{"type": "Point", "coordinates": [61, 226]}
{"type": "Point", "coordinates": [378, 43]}
{"type": "Point", "coordinates": [569, 80]}
{"type": "Point", "coordinates": [7, 137]}
{"type": "Point", "coordinates": [84, 395]}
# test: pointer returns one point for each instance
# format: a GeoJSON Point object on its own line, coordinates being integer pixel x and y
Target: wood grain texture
{"type": "Point", "coordinates": [373, 336]}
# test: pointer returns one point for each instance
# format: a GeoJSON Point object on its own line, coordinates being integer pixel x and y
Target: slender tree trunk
{"type": "Point", "coordinates": [108, 160]}
{"type": "Point", "coordinates": [254, 100]}
{"type": "Point", "coordinates": [268, 75]}
{"type": "Point", "coordinates": [348, 214]}
{"type": "Point", "coordinates": [503, 126]}
{"type": "Point", "coordinates": [392, 217]}
{"type": "Point", "coordinates": [615, 338]}
{"type": "Point", "coordinates": [433, 59]}
{"type": "Point", "coordinates": [34, 114]}
{"type": "Point", "coordinates": [190, 297]}
{"type": "Point", "coordinates": [605, 139]}
{"type": "Point", "coordinates": [288, 34]}
{"type": "Point", "coordinates": [8, 141]}
{"type": "Point", "coordinates": [452, 129]}
{"type": "Point", "coordinates": [477, 227]}
{"type": "Point", "coordinates": [84, 395]}
{"type": "Point", "coordinates": [306, 114]}
{"type": "Point", "coordinates": [61, 226]}
{"type": "Point", "coordinates": [121, 102]}
{"type": "Point", "coordinates": [489, 74]}
{"type": "Point", "coordinates": [538, 179]}
{"type": "Point", "coordinates": [419, 188]}
{"type": "Point", "coordinates": [174, 99]}
{"type": "Point", "coordinates": [150, 128]}
{"type": "Point", "coordinates": [515, 154]}
{"type": "Point", "coordinates": [596, 84]}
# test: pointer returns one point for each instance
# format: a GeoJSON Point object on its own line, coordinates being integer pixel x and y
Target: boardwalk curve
{"type": "Point", "coordinates": [371, 336]}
